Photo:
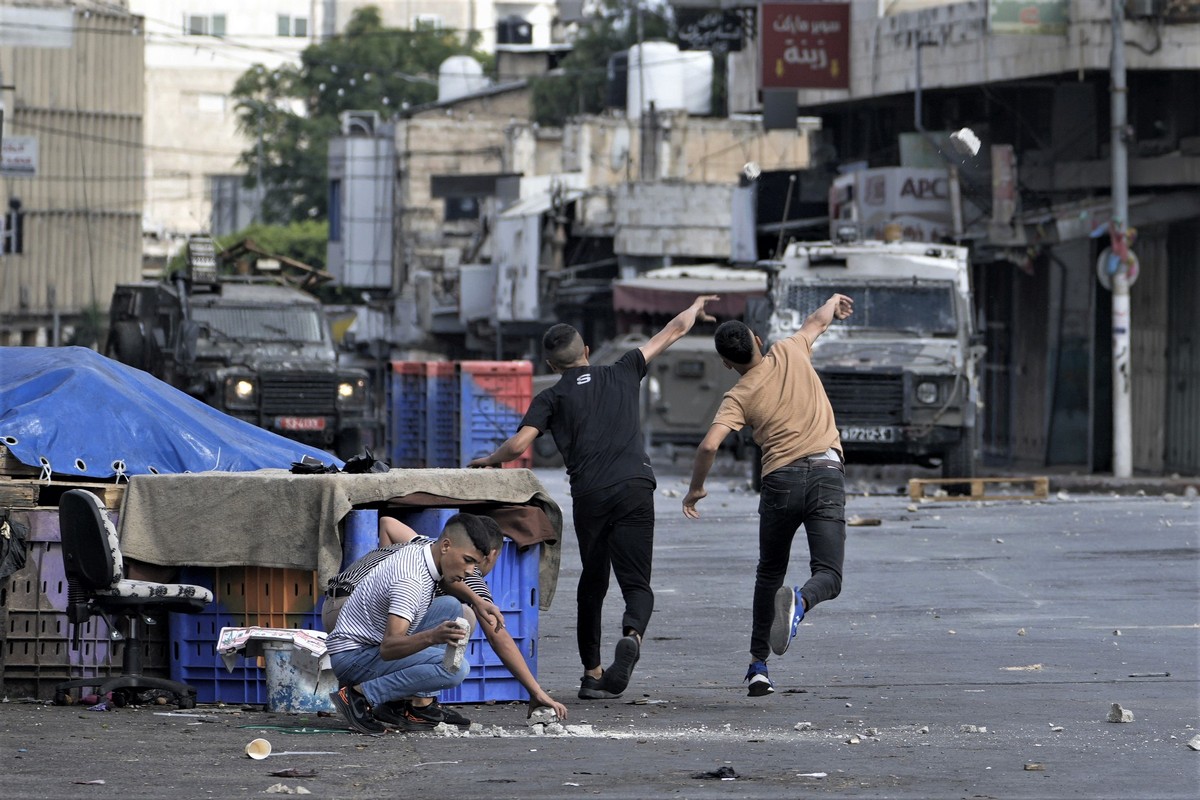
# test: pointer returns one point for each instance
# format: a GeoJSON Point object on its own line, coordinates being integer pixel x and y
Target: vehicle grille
{"type": "Point", "coordinates": [865, 399]}
{"type": "Point", "coordinates": [298, 394]}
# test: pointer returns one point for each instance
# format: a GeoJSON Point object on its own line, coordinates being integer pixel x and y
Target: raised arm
{"type": "Point", "coordinates": [838, 306]}
{"type": "Point", "coordinates": [677, 328]}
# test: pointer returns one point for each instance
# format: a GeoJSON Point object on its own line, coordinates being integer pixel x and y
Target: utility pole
{"type": "Point", "coordinates": [1122, 413]}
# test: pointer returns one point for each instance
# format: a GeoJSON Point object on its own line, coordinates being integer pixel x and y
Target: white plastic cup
{"type": "Point", "coordinates": [454, 653]}
{"type": "Point", "coordinates": [258, 749]}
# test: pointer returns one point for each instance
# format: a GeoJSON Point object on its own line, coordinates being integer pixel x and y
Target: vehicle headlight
{"type": "Point", "coordinates": [241, 392]}
{"type": "Point", "coordinates": [927, 392]}
{"type": "Point", "coordinates": [352, 393]}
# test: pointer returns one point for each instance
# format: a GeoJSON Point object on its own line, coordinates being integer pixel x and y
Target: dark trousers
{"type": "Point", "coordinates": [615, 528]}
{"type": "Point", "coordinates": [810, 492]}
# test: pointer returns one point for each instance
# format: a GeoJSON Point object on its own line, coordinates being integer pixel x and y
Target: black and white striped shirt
{"type": "Point", "coordinates": [344, 582]}
{"type": "Point", "coordinates": [402, 584]}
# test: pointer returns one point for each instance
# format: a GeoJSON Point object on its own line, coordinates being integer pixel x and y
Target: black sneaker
{"type": "Point", "coordinates": [356, 710]}
{"type": "Point", "coordinates": [404, 716]}
{"type": "Point", "coordinates": [616, 677]}
{"type": "Point", "coordinates": [450, 716]}
{"type": "Point", "coordinates": [760, 682]}
{"type": "Point", "coordinates": [593, 689]}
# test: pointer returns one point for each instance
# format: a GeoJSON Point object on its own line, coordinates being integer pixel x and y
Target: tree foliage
{"type": "Point", "coordinates": [291, 112]}
{"type": "Point", "coordinates": [580, 86]}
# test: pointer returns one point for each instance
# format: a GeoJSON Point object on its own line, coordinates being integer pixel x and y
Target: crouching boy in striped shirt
{"type": "Point", "coordinates": [392, 632]}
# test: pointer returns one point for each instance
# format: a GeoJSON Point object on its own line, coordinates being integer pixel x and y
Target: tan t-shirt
{"type": "Point", "coordinates": [783, 400]}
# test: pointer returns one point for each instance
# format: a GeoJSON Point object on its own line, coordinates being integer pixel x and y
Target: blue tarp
{"type": "Point", "coordinates": [84, 414]}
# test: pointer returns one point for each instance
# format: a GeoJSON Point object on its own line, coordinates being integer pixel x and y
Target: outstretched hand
{"type": "Point", "coordinates": [701, 314]}
{"type": "Point", "coordinates": [543, 700]}
{"type": "Point", "coordinates": [843, 306]}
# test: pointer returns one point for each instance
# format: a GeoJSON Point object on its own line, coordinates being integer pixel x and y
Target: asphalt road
{"type": "Point", "coordinates": [1027, 620]}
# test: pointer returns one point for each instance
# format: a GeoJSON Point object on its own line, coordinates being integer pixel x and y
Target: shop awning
{"type": "Point", "coordinates": [672, 289]}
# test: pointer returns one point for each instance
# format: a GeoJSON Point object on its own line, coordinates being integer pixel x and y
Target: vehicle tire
{"type": "Point", "coordinates": [125, 344]}
{"type": "Point", "coordinates": [959, 462]}
{"type": "Point", "coordinates": [959, 459]}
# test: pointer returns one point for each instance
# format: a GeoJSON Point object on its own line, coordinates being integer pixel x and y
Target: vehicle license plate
{"type": "Point", "coordinates": [300, 423]}
{"type": "Point", "coordinates": [879, 433]}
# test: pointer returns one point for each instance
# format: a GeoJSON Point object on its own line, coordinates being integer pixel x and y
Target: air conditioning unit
{"type": "Point", "coordinates": [1145, 9]}
{"type": "Point", "coordinates": [359, 123]}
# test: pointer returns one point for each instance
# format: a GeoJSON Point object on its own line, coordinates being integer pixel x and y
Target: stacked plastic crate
{"type": "Point", "coordinates": [407, 414]}
{"type": "Point", "coordinates": [38, 652]}
{"type": "Point", "coordinates": [514, 584]}
{"type": "Point", "coordinates": [493, 397]}
{"type": "Point", "coordinates": [242, 597]}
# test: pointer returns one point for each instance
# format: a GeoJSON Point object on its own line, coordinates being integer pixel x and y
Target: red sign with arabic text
{"type": "Point", "coordinates": [805, 45]}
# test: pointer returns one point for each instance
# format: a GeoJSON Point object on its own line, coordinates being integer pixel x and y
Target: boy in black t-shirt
{"type": "Point", "coordinates": [594, 414]}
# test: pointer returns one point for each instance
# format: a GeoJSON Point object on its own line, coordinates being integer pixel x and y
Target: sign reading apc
{"type": "Point", "coordinates": [926, 188]}
{"type": "Point", "coordinates": [805, 45]}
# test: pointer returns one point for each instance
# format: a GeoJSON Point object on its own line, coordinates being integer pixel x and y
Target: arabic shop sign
{"type": "Point", "coordinates": [701, 29]}
{"type": "Point", "coordinates": [805, 45]}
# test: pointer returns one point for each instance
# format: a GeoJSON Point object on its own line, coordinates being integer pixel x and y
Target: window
{"type": "Point", "coordinates": [335, 210]}
{"type": "Point", "coordinates": [14, 228]}
{"type": "Point", "coordinates": [204, 24]}
{"type": "Point", "coordinates": [287, 25]}
{"type": "Point", "coordinates": [457, 208]}
{"type": "Point", "coordinates": [427, 22]}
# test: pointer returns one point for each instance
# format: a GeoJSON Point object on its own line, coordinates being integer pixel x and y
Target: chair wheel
{"type": "Point", "coordinates": [63, 699]}
{"type": "Point", "coordinates": [186, 701]}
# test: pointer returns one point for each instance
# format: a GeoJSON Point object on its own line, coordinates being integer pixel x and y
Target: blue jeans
{"type": "Point", "coordinates": [420, 674]}
{"type": "Point", "coordinates": [809, 492]}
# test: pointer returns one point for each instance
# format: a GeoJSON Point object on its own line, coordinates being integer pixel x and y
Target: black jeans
{"type": "Point", "coordinates": [615, 528]}
{"type": "Point", "coordinates": [809, 492]}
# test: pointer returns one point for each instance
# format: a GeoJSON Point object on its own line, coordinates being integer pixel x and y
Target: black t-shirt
{"type": "Point", "coordinates": [593, 413]}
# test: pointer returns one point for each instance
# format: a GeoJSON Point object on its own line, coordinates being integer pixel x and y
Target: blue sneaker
{"type": "Point", "coordinates": [789, 610]}
{"type": "Point", "coordinates": [760, 683]}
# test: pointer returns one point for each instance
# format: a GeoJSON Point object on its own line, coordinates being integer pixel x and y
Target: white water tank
{"type": "Point", "coordinates": [697, 75]}
{"type": "Point", "coordinates": [655, 76]}
{"type": "Point", "coordinates": [459, 76]}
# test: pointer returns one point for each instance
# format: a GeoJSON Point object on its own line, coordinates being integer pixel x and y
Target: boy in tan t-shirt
{"type": "Point", "coordinates": [781, 397]}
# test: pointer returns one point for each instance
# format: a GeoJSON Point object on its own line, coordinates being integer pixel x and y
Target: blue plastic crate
{"type": "Point", "coordinates": [514, 585]}
{"type": "Point", "coordinates": [493, 398]}
{"type": "Point", "coordinates": [407, 401]}
{"type": "Point", "coordinates": [441, 419]}
{"type": "Point", "coordinates": [242, 597]}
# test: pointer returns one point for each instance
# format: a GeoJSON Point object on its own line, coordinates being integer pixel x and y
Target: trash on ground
{"type": "Point", "coordinates": [804, 726]}
{"type": "Point", "coordinates": [858, 522]}
{"type": "Point", "coordinates": [720, 774]}
{"type": "Point", "coordinates": [1118, 714]}
{"type": "Point", "coordinates": [812, 775]}
{"type": "Point", "coordinates": [292, 772]}
{"type": "Point", "coordinates": [1149, 674]}
{"type": "Point", "coordinates": [1026, 668]}
{"type": "Point", "coordinates": [97, 782]}
{"type": "Point", "coordinates": [1033, 766]}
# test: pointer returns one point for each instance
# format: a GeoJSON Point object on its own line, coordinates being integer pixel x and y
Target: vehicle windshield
{"type": "Point", "coordinates": [926, 309]}
{"type": "Point", "coordinates": [247, 323]}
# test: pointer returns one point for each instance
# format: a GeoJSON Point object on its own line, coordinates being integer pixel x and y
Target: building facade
{"type": "Point", "coordinates": [72, 183]}
{"type": "Point", "coordinates": [891, 80]}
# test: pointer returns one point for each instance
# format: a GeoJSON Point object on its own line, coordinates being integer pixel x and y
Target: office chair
{"type": "Point", "coordinates": [96, 586]}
